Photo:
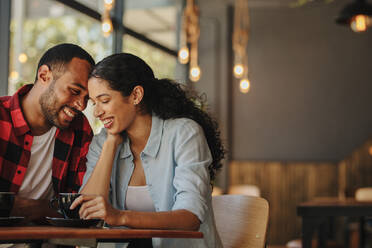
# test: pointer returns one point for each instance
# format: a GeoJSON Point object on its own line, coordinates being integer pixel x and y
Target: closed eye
{"type": "Point", "coordinates": [75, 92]}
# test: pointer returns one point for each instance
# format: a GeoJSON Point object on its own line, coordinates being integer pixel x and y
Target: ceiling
{"type": "Point", "coordinates": [159, 24]}
{"type": "Point", "coordinates": [156, 19]}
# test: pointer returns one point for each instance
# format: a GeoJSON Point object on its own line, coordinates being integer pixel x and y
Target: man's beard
{"type": "Point", "coordinates": [48, 103]}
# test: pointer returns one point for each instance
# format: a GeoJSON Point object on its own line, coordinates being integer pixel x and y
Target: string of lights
{"type": "Point", "coordinates": [240, 42]}
{"type": "Point", "coordinates": [106, 24]}
{"type": "Point", "coordinates": [190, 32]}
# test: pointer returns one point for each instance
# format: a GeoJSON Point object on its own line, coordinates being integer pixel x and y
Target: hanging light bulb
{"type": "Point", "coordinates": [244, 85]}
{"type": "Point", "coordinates": [106, 24]}
{"type": "Point", "coordinates": [240, 39]}
{"type": "Point", "coordinates": [183, 55]}
{"type": "Point", "coordinates": [189, 37]}
{"type": "Point", "coordinates": [238, 70]}
{"type": "Point", "coordinates": [106, 27]}
{"type": "Point", "coordinates": [356, 15]}
{"type": "Point", "coordinates": [108, 4]}
{"type": "Point", "coordinates": [359, 23]}
{"type": "Point", "coordinates": [195, 73]}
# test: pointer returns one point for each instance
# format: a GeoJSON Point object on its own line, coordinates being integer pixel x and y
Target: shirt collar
{"type": "Point", "coordinates": [19, 123]}
{"type": "Point", "coordinates": [124, 153]}
{"type": "Point", "coordinates": [153, 143]}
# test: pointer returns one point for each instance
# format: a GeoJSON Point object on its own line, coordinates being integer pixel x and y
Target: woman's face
{"type": "Point", "coordinates": [116, 112]}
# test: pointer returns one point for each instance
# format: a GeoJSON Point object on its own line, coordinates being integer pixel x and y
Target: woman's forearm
{"type": "Point", "coordinates": [177, 219]}
{"type": "Point", "coordinates": [99, 181]}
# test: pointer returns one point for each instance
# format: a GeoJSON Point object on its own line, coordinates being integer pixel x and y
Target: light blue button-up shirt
{"type": "Point", "coordinates": [175, 161]}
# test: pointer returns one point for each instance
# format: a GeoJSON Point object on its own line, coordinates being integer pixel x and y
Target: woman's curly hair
{"type": "Point", "coordinates": [162, 97]}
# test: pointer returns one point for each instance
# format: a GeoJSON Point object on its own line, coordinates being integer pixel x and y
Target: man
{"type": "Point", "coordinates": [44, 137]}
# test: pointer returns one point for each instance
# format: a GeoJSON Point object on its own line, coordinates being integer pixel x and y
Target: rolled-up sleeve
{"type": "Point", "coordinates": [191, 180]}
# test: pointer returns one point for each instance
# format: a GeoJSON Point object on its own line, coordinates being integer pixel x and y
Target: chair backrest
{"type": "Point", "coordinates": [217, 191]}
{"type": "Point", "coordinates": [363, 194]}
{"type": "Point", "coordinates": [241, 220]}
{"type": "Point", "coordinates": [244, 189]}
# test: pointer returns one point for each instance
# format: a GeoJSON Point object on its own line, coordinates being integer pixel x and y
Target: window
{"type": "Point", "coordinates": [37, 25]}
{"type": "Point", "coordinates": [161, 63]}
{"type": "Point", "coordinates": [158, 22]}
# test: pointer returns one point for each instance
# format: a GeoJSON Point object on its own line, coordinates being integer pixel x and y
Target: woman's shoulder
{"type": "Point", "coordinates": [181, 124]}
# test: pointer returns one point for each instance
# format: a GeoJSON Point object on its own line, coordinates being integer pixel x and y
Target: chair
{"type": "Point", "coordinates": [244, 189]}
{"type": "Point", "coordinates": [297, 243]}
{"type": "Point", "coordinates": [217, 191]}
{"type": "Point", "coordinates": [363, 194]}
{"type": "Point", "coordinates": [241, 220]}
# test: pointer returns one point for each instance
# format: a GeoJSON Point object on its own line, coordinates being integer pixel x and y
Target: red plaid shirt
{"type": "Point", "coordinates": [70, 150]}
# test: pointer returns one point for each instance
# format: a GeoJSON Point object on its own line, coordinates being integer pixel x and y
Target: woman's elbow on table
{"type": "Point", "coordinates": [193, 222]}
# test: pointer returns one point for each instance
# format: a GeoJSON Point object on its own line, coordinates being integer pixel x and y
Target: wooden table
{"type": "Point", "coordinates": [316, 213]}
{"type": "Point", "coordinates": [27, 234]}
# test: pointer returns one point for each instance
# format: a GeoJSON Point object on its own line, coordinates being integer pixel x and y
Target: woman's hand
{"type": "Point", "coordinates": [114, 139]}
{"type": "Point", "coordinates": [96, 207]}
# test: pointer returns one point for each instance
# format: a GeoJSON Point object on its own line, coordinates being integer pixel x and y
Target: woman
{"type": "Point", "coordinates": [153, 163]}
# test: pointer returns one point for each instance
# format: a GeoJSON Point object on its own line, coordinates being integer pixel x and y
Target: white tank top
{"type": "Point", "coordinates": [139, 199]}
{"type": "Point", "coordinates": [37, 183]}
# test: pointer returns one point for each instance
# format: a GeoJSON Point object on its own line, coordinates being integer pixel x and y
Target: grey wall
{"type": "Point", "coordinates": [311, 83]}
{"type": "Point", "coordinates": [4, 45]}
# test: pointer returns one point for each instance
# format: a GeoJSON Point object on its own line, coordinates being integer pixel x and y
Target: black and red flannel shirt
{"type": "Point", "coordinates": [69, 158]}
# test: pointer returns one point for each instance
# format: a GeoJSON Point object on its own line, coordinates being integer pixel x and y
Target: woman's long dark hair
{"type": "Point", "coordinates": [162, 97]}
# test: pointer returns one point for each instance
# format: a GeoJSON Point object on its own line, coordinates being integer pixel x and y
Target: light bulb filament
{"type": "Point", "coordinates": [244, 85]}
{"type": "Point", "coordinates": [238, 70]}
{"type": "Point", "coordinates": [360, 23]}
{"type": "Point", "coordinates": [183, 55]}
{"type": "Point", "coordinates": [195, 73]}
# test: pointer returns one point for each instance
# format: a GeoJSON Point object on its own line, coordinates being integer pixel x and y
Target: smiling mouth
{"type": "Point", "coordinates": [107, 122]}
{"type": "Point", "coordinates": [69, 112]}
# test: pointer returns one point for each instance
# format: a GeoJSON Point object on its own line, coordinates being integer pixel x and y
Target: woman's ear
{"type": "Point", "coordinates": [44, 74]}
{"type": "Point", "coordinates": [137, 94]}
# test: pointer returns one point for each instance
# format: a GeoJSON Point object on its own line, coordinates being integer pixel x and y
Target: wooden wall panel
{"type": "Point", "coordinates": [356, 170]}
{"type": "Point", "coordinates": [285, 185]}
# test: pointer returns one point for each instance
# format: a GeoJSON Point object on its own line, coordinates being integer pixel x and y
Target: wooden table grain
{"type": "Point", "coordinates": [41, 233]}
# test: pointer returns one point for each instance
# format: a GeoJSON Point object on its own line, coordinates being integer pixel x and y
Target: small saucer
{"type": "Point", "coordinates": [72, 222]}
{"type": "Point", "coordinates": [10, 221]}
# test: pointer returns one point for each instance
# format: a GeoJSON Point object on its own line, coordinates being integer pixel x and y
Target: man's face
{"type": "Point", "coordinates": [67, 95]}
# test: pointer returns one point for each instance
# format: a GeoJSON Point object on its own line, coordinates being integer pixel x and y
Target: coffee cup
{"type": "Point", "coordinates": [6, 203]}
{"type": "Point", "coordinates": [64, 201]}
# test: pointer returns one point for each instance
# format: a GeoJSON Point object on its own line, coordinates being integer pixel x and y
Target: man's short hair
{"type": "Point", "coordinates": [62, 54]}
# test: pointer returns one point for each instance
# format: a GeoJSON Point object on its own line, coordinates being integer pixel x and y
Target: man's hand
{"type": "Point", "coordinates": [33, 210]}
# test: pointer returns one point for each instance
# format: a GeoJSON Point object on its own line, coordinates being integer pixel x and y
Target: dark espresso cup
{"type": "Point", "coordinates": [63, 202]}
{"type": "Point", "coordinates": [6, 203]}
